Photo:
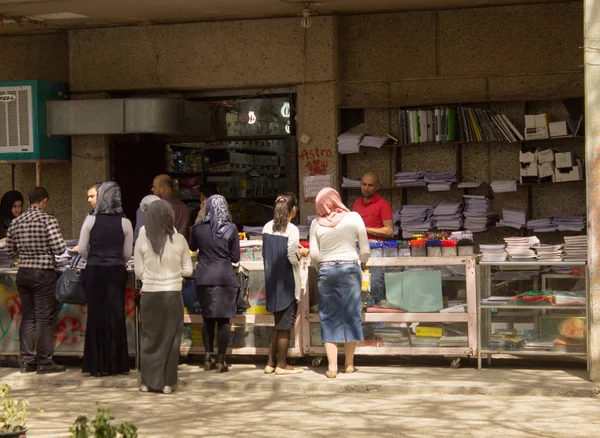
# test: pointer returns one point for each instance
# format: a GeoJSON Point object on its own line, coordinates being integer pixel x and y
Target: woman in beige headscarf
{"type": "Point", "coordinates": [333, 237]}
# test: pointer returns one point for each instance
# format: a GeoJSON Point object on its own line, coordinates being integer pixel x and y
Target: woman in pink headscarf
{"type": "Point", "coordinates": [333, 250]}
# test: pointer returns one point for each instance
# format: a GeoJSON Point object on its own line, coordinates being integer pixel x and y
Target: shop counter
{"type": "Point", "coordinates": [70, 322]}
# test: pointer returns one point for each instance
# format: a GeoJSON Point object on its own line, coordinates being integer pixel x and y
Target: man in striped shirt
{"type": "Point", "coordinates": [35, 238]}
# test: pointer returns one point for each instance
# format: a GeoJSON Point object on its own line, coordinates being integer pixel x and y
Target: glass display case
{"type": "Point", "coordinates": [417, 306]}
{"type": "Point", "coordinates": [250, 331]}
{"type": "Point", "coordinates": [532, 308]}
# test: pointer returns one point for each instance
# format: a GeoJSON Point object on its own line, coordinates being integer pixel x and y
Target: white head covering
{"type": "Point", "coordinates": [146, 201]}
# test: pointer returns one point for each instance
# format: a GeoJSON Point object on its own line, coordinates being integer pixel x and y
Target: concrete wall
{"type": "Point", "coordinates": [512, 54]}
{"type": "Point", "coordinates": [38, 57]}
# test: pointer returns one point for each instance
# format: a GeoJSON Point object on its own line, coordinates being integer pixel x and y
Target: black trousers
{"type": "Point", "coordinates": [38, 306]}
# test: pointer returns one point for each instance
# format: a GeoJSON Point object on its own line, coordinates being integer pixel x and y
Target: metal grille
{"type": "Point", "coordinates": [15, 120]}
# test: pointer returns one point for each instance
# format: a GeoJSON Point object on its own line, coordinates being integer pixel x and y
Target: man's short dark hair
{"type": "Point", "coordinates": [95, 186]}
{"type": "Point", "coordinates": [208, 189]}
{"type": "Point", "coordinates": [37, 195]}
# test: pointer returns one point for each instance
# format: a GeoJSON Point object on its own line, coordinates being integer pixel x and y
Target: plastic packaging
{"type": "Point", "coordinates": [403, 248]}
{"type": "Point", "coordinates": [448, 248]}
{"type": "Point", "coordinates": [366, 281]}
{"type": "Point", "coordinates": [417, 248]}
{"type": "Point", "coordinates": [434, 248]}
{"type": "Point", "coordinates": [390, 248]}
{"type": "Point", "coordinates": [376, 249]}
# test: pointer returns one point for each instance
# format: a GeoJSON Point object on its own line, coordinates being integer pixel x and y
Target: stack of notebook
{"type": "Point", "coordinates": [549, 253]}
{"type": "Point", "coordinates": [415, 219]}
{"type": "Point", "coordinates": [479, 214]}
{"type": "Point", "coordinates": [347, 182]}
{"type": "Point", "coordinates": [575, 249]}
{"type": "Point", "coordinates": [504, 186]}
{"type": "Point", "coordinates": [349, 143]}
{"type": "Point", "coordinates": [520, 248]}
{"type": "Point", "coordinates": [513, 218]}
{"type": "Point", "coordinates": [448, 216]}
{"type": "Point", "coordinates": [439, 182]}
{"type": "Point", "coordinates": [493, 253]}
{"type": "Point", "coordinates": [410, 179]}
{"type": "Point", "coordinates": [373, 141]}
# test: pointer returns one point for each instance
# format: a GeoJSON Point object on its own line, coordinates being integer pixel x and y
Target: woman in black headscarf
{"type": "Point", "coordinates": [217, 286]}
{"type": "Point", "coordinates": [106, 242]}
{"type": "Point", "coordinates": [10, 207]}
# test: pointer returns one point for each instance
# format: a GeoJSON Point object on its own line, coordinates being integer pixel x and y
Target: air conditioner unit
{"type": "Point", "coordinates": [23, 121]}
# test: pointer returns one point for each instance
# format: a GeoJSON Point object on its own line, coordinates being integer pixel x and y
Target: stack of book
{"type": "Point", "coordinates": [575, 249]}
{"type": "Point", "coordinates": [504, 186]}
{"type": "Point", "coordinates": [347, 182]}
{"type": "Point", "coordinates": [513, 218]}
{"type": "Point", "coordinates": [479, 214]}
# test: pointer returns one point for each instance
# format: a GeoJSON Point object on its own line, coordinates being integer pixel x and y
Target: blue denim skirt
{"type": "Point", "coordinates": [339, 303]}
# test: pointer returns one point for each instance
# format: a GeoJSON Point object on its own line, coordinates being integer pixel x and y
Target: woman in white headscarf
{"type": "Point", "coordinates": [106, 242]}
{"type": "Point", "coordinates": [162, 259]}
{"type": "Point", "coordinates": [218, 243]}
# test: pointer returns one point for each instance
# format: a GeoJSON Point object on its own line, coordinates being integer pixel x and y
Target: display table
{"type": "Point", "coordinates": [515, 328]}
{"type": "Point", "coordinates": [70, 322]}
{"type": "Point", "coordinates": [388, 334]}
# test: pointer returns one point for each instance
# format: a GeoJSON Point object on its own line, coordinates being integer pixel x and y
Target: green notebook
{"type": "Point", "coordinates": [415, 291]}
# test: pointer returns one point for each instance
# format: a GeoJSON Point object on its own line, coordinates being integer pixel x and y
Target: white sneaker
{"type": "Point", "coordinates": [167, 390]}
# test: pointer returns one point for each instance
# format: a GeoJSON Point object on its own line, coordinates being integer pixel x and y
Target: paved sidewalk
{"type": "Point", "coordinates": [248, 375]}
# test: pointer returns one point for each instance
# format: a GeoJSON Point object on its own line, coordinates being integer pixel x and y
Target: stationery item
{"type": "Point", "coordinates": [504, 186]}
{"type": "Point", "coordinates": [513, 217]}
{"type": "Point", "coordinates": [349, 143]}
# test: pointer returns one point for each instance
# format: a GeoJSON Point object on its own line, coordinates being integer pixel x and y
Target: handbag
{"type": "Point", "coordinates": [243, 276]}
{"type": "Point", "coordinates": [69, 288]}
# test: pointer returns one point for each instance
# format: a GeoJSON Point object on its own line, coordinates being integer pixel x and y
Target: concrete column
{"type": "Point", "coordinates": [317, 118]}
{"type": "Point", "coordinates": [592, 165]}
{"type": "Point", "coordinates": [90, 163]}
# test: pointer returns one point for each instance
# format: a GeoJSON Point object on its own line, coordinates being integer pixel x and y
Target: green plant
{"type": "Point", "coordinates": [101, 426]}
{"type": "Point", "coordinates": [13, 414]}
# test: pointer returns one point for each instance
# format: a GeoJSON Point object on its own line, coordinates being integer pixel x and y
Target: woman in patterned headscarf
{"type": "Point", "coordinates": [106, 242]}
{"type": "Point", "coordinates": [217, 240]}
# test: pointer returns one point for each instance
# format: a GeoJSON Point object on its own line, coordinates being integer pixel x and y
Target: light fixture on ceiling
{"type": "Point", "coordinates": [307, 13]}
{"type": "Point", "coordinates": [305, 21]}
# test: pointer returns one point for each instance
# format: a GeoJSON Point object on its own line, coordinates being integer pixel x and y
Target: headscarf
{"type": "Point", "coordinates": [109, 200]}
{"type": "Point", "coordinates": [7, 202]}
{"type": "Point", "coordinates": [330, 208]}
{"type": "Point", "coordinates": [159, 219]}
{"type": "Point", "coordinates": [217, 215]}
{"type": "Point", "coordinates": [146, 201]}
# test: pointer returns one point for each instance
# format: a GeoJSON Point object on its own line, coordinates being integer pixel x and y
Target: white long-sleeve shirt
{"type": "Point", "coordinates": [162, 274]}
{"type": "Point", "coordinates": [339, 242]}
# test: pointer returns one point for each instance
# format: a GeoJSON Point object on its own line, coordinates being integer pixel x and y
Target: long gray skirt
{"type": "Point", "coordinates": [160, 337]}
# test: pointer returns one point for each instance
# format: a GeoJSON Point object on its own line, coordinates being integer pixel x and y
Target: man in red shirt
{"type": "Point", "coordinates": [375, 211]}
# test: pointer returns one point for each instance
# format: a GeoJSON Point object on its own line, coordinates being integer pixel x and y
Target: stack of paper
{"type": "Point", "coordinates": [347, 182]}
{"type": "Point", "coordinates": [415, 219]}
{"type": "Point", "coordinates": [545, 225]}
{"type": "Point", "coordinates": [549, 253]}
{"type": "Point", "coordinates": [513, 217]}
{"type": "Point", "coordinates": [478, 213]}
{"type": "Point", "coordinates": [493, 253]}
{"type": "Point", "coordinates": [468, 185]}
{"type": "Point", "coordinates": [438, 182]}
{"type": "Point", "coordinates": [349, 143]}
{"type": "Point", "coordinates": [410, 179]}
{"type": "Point", "coordinates": [575, 249]}
{"type": "Point", "coordinates": [448, 216]}
{"type": "Point", "coordinates": [557, 223]}
{"type": "Point", "coordinates": [571, 223]}
{"type": "Point", "coordinates": [503, 186]}
{"type": "Point", "coordinates": [519, 248]}
{"type": "Point", "coordinates": [374, 142]}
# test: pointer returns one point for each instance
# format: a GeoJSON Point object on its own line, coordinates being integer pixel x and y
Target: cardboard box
{"type": "Point", "coordinates": [557, 129]}
{"type": "Point", "coordinates": [529, 169]}
{"type": "Point", "coordinates": [545, 156]}
{"type": "Point", "coordinates": [564, 175]}
{"type": "Point", "coordinates": [564, 160]}
{"type": "Point", "coordinates": [527, 157]}
{"type": "Point", "coordinates": [536, 126]}
{"type": "Point", "coordinates": [546, 169]}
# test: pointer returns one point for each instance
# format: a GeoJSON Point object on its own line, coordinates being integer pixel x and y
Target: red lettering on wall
{"type": "Point", "coordinates": [315, 160]}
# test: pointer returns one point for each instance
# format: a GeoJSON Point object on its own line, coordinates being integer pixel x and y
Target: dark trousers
{"type": "Point", "coordinates": [38, 307]}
